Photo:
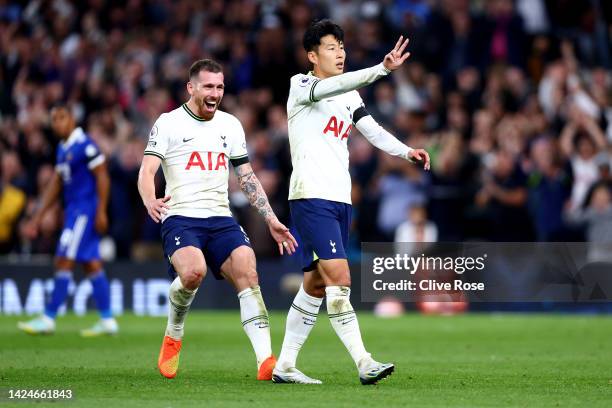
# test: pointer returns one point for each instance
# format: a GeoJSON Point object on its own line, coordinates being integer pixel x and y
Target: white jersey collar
{"type": "Point", "coordinates": [76, 135]}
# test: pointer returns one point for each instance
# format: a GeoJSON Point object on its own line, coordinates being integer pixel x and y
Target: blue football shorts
{"type": "Point", "coordinates": [79, 240]}
{"type": "Point", "coordinates": [217, 237]}
{"type": "Point", "coordinates": [323, 228]}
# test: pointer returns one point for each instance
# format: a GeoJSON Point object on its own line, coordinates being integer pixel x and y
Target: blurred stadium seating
{"type": "Point", "coordinates": [513, 100]}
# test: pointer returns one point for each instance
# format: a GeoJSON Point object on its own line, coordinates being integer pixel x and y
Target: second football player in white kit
{"type": "Point", "coordinates": [322, 109]}
{"type": "Point", "coordinates": [195, 145]}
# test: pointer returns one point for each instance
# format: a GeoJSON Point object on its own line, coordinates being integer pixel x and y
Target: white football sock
{"type": "Point", "coordinates": [344, 321]}
{"type": "Point", "coordinates": [180, 300]}
{"type": "Point", "coordinates": [301, 319]}
{"type": "Point", "coordinates": [255, 322]}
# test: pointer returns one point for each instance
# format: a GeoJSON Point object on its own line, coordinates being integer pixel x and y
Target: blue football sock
{"type": "Point", "coordinates": [60, 292]}
{"type": "Point", "coordinates": [101, 293]}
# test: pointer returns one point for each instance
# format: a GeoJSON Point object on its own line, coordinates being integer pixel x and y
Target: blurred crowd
{"type": "Point", "coordinates": [512, 98]}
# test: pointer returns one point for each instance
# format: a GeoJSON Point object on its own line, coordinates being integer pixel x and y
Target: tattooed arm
{"type": "Point", "coordinates": [250, 185]}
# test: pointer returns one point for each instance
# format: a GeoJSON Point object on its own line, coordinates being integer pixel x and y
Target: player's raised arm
{"type": "Point", "coordinates": [385, 141]}
{"type": "Point", "coordinates": [329, 87]}
{"type": "Point", "coordinates": [250, 185]}
{"type": "Point", "coordinates": [156, 207]}
{"type": "Point", "coordinates": [317, 89]}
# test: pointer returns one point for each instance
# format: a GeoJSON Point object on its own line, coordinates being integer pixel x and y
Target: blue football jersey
{"type": "Point", "coordinates": [75, 158]}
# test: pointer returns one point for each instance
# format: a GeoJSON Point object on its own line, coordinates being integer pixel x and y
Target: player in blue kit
{"type": "Point", "coordinates": [81, 172]}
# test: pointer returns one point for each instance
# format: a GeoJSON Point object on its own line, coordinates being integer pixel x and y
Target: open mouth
{"type": "Point", "coordinates": [210, 106]}
{"type": "Point", "coordinates": [340, 65]}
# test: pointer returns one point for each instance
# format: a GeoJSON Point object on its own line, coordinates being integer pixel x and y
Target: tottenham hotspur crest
{"type": "Point", "coordinates": [333, 245]}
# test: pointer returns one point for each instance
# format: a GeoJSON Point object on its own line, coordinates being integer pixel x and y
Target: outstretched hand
{"type": "Point", "coordinates": [396, 57]}
{"type": "Point", "coordinates": [419, 156]}
{"type": "Point", "coordinates": [282, 236]}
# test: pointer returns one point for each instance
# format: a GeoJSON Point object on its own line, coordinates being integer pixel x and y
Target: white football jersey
{"type": "Point", "coordinates": [318, 135]}
{"type": "Point", "coordinates": [195, 156]}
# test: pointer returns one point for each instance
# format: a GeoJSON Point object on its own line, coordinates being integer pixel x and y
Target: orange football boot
{"type": "Point", "coordinates": [169, 357]}
{"type": "Point", "coordinates": [265, 369]}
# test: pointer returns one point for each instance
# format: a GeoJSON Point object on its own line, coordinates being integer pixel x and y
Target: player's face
{"type": "Point", "coordinates": [328, 58]}
{"type": "Point", "coordinates": [206, 90]}
{"type": "Point", "coordinates": [62, 122]}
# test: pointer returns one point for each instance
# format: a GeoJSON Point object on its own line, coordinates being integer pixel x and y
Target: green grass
{"type": "Point", "coordinates": [466, 361]}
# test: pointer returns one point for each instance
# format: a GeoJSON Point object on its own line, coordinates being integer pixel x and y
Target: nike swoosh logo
{"type": "Point", "coordinates": [186, 140]}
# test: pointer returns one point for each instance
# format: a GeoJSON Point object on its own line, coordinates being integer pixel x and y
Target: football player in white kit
{"type": "Point", "coordinates": [322, 108]}
{"type": "Point", "coordinates": [195, 144]}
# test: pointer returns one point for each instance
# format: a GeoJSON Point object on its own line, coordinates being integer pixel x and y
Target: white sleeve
{"type": "Point", "coordinates": [310, 89]}
{"type": "Point", "coordinates": [238, 149]}
{"type": "Point", "coordinates": [158, 139]}
{"type": "Point", "coordinates": [93, 154]}
{"type": "Point", "coordinates": [382, 139]}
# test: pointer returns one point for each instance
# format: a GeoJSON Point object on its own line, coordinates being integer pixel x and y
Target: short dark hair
{"type": "Point", "coordinates": [60, 105]}
{"type": "Point", "coordinates": [204, 65]}
{"type": "Point", "coordinates": [63, 106]}
{"type": "Point", "coordinates": [318, 30]}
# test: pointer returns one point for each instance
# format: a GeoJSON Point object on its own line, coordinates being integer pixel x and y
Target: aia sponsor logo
{"type": "Point", "coordinates": [336, 127]}
{"type": "Point", "coordinates": [207, 161]}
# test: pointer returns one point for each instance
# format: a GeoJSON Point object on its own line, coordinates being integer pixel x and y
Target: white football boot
{"type": "Point", "coordinates": [40, 325]}
{"type": "Point", "coordinates": [101, 328]}
{"type": "Point", "coordinates": [371, 371]}
{"type": "Point", "coordinates": [292, 376]}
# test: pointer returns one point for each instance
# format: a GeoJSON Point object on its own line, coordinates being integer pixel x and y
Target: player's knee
{"type": "Point", "coordinates": [192, 277]}
{"type": "Point", "coordinates": [314, 288]}
{"type": "Point", "coordinates": [316, 291]}
{"type": "Point", "coordinates": [63, 264]}
{"type": "Point", "coordinates": [335, 272]}
{"type": "Point", "coordinates": [92, 267]}
{"type": "Point", "coordinates": [191, 282]}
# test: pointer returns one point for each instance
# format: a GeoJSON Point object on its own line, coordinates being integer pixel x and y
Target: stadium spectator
{"type": "Point", "coordinates": [401, 186]}
{"type": "Point", "coordinates": [549, 183]}
{"type": "Point", "coordinates": [416, 231]}
{"type": "Point", "coordinates": [502, 198]}
{"type": "Point", "coordinates": [580, 141]}
{"type": "Point", "coordinates": [12, 203]}
{"type": "Point", "coordinates": [597, 215]}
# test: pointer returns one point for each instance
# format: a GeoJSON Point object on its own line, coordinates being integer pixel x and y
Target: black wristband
{"type": "Point", "coordinates": [360, 112]}
{"type": "Point", "coordinates": [239, 161]}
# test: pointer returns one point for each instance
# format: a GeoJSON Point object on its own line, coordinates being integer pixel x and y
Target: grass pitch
{"type": "Point", "coordinates": [467, 361]}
